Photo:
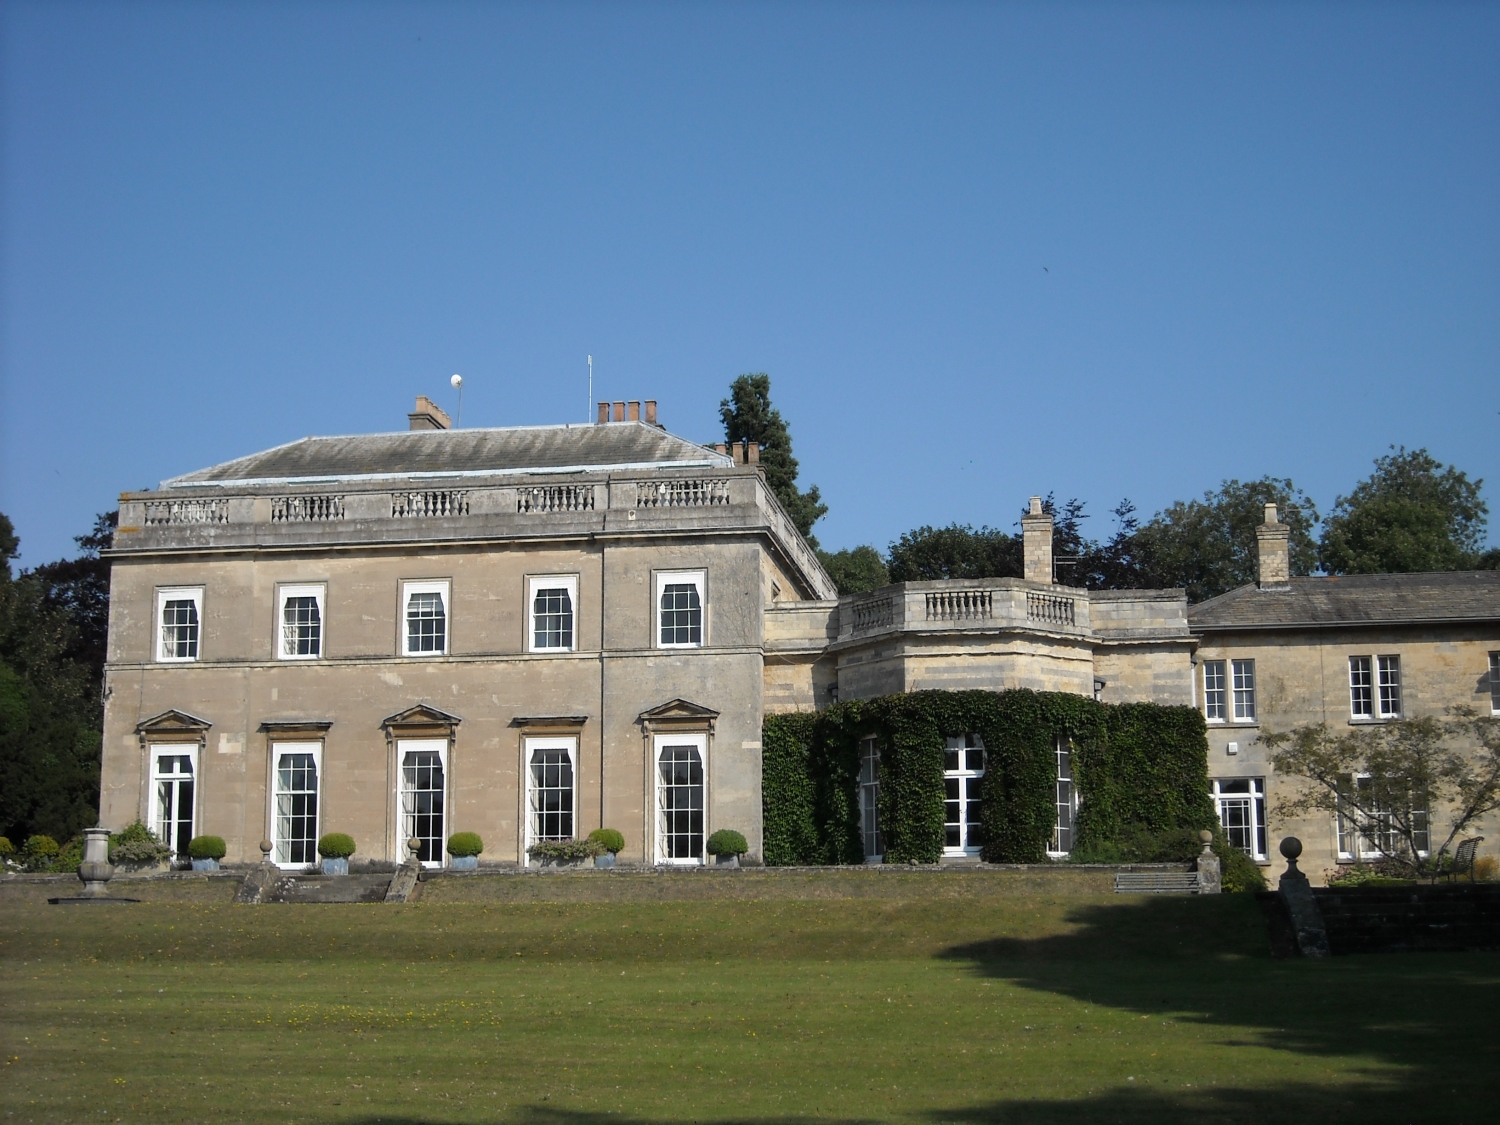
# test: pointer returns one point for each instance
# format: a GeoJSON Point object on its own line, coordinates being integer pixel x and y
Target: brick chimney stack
{"type": "Point", "coordinates": [1274, 540]}
{"type": "Point", "coordinates": [1036, 543]}
{"type": "Point", "coordinates": [428, 415]}
{"type": "Point", "coordinates": [603, 413]}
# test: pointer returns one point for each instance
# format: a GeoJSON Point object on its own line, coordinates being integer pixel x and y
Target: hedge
{"type": "Point", "coordinates": [1138, 767]}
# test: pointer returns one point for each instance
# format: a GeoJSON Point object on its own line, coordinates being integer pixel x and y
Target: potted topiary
{"type": "Point", "coordinates": [726, 846]}
{"type": "Point", "coordinates": [206, 851]}
{"type": "Point", "coordinates": [563, 853]}
{"type": "Point", "coordinates": [464, 849]}
{"type": "Point", "coordinates": [137, 851]}
{"type": "Point", "coordinates": [610, 841]}
{"type": "Point", "coordinates": [336, 848]}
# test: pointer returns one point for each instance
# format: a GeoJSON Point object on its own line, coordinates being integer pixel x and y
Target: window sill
{"type": "Point", "coordinates": [1374, 722]}
{"type": "Point", "coordinates": [1238, 724]}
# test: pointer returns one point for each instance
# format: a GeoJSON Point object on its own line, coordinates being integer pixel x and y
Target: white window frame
{"type": "Point", "coordinates": [440, 586]}
{"type": "Point", "coordinates": [1387, 686]}
{"type": "Point", "coordinates": [318, 592]}
{"type": "Point", "coordinates": [872, 841]}
{"type": "Point", "coordinates": [406, 746]}
{"type": "Point", "coordinates": [528, 784]}
{"type": "Point", "coordinates": [1495, 683]}
{"type": "Point", "coordinates": [1059, 796]}
{"type": "Point", "coordinates": [1257, 799]}
{"type": "Point", "coordinates": [665, 578]}
{"type": "Point", "coordinates": [1344, 831]}
{"type": "Point", "coordinates": [189, 750]}
{"type": "Point", "coordinates": [167, 594]}
{"type": "Point", "coordinates": [963, 775]}
{"type": "Point", "coordinates": [535, 582]}
{"type": "Point", "coordinates": [1382, 680]}
{"type": "Point", "coordinates": [1361, 687]}
{"type": "Point", "coordinates": [315, 748]}
{"type": "Point", "coordinates": [1219, 697]}
{"type": "Point", "coordinates": [658, 833]}
{"type": "Point", "coordinates": [1243, 697]}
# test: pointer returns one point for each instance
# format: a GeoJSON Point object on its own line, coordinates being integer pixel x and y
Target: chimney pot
{"type": "Point", "coordinates": [1036, 505]}
{"type": "Point", "coordinates": [619, 412]}
{"type": "Point", "coordinates": [603, 413]}
{"type": "Point", "coordinates": [1036, 543]}
{"type": "Point", "coordinates": [650, 412]}
{"type": "Point", "coordinates": [635, 411]}
{"type": "Point", "coordinates": [428, 415]}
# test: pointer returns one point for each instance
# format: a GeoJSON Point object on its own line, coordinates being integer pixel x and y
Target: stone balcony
{"type": "Point", "coordinates": [965, 605]}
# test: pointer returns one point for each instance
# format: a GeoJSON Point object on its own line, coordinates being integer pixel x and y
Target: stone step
{"type": "Point", "coordinates": [329, 888]}
{"type": "Point", "coordinates": [1156, 883]}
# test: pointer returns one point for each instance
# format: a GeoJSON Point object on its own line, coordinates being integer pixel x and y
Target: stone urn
{"type": "Point", "coordinates": [95, 871]}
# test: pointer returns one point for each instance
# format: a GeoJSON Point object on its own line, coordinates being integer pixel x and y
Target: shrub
{"type": "Point", "coordinates": [68, 857]}
{"type": "Point", "coordinates": [1486, 868]}
{"type": "Point", "coordinates": [7, 849]}
{"type": "Point", "coordinates": [565, 849]}
{"type": "Point", "coordinates": [1240, 873]}
{"type": "Point", "coordinates": [465, 843]}
{"type": "Point", "coordinates": [608, 839]}
{"type": "Point", "coordinates": [39, 847]}
{"type": "Point", "coordinates": [1381, 873]}
{"type": "Point", "coordinates": [137, 844]}
{"type": "Point", "coordinates": [726, 841]}
{"type": "Point", "coordinates": [207, 847]}
{"type": "Point", "coordinates": [336, 845]}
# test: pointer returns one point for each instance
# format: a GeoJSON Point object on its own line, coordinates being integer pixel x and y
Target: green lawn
{"type": "Point", "coordinates": [850, 997]}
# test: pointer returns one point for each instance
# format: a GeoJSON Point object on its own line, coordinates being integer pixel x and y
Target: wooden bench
{"type": "Point", "coordinates": [1463, 858]}
{"type": "Point", "coordinates": [1156, 883]}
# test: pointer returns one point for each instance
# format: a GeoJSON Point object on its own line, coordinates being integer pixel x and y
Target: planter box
{"type": "Point", "coordinates": [726, 861]}
{"type": "Point", "coordinates": [205, 865]}
{"type": "Point", "coordinates": [548, 861]}
{"type": "Point", "coordinates": [336, 866]}
{"type": "Point", "coordinates": [161, 867]}
{"type": "Point", "coordinates": [463, 862]}
{"type": "Point", "coordinates": [605, 860]}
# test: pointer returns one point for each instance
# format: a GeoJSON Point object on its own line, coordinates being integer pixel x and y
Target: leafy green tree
{"type": "Point", "coordinates": [52, 627]}
{"type": "Point", "coordinates": [856, 570]}
{"type": "Point", "coordinates": [1208, 546]}
{"type": "Point", "coordinates": [956, 551]}
{"type": "Point", "coordinates": [1413, 513]}
{"type": "Point", "coordinates": [748, 415]}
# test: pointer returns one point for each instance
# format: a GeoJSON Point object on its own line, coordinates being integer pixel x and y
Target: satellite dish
{"type": "Point", "coordinates": [457, 381]}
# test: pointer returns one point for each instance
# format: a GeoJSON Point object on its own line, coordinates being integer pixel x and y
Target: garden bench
{"type": "Point", "coordinates": [1156, 883]}
{"type": "Point", "coordinates": [1463, 858]}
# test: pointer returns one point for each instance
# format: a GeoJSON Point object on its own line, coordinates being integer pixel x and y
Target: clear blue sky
{"type": "Point", "coordinates": [983, 250]}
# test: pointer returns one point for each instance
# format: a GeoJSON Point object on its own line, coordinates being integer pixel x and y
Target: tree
{"type": "Point", "coordinates": [1413, 513]}
{"type": "Point", "coordinates": [855, 570]}
{"type": "Point", "coordinates": [1208, 546]}
{"type": "Point", "coordinates": [956, 551]}
{"type": "Point", "coordinates": [1389, 784]}
{"type": "Point", "coordinates": [749, 415]}
{"type": "Point", "coordinates": [52, 628]}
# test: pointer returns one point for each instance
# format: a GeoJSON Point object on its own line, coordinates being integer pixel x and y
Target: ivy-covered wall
{"type": "Point", "coordinates": [1138, 767]}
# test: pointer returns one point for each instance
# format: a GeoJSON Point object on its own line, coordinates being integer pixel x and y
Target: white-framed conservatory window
{"type": "Point", "coordinates": [681, 795]}
{"type": "Point", "coordinates": [1215, 697]}
{"type": "Point", "coordinates": [1066, 799]}
{"type": "Point", "coordinates": [423, 797]}
{"type": "Point", "coordinates": [174, 803]}
{"type": "Point", "coordinates": [1243, 672]}
{"type": "Point", "coordinates": [297, 773]}
{"type": "Point", "coordinates": [681, 613]}
{"type": "Point", "coordinates": [299, 622]}
{"type": "Point", "coordinates": [1241, 802]}
{"type": "Point", "coordinates": [869, 799]}
{"type": "Point", "coordinates": [551, 788]}
{"type": "Point", "coordinates": [179, 623]}
{"type": "Point", "coordinates": [424, 618]}
{"type": "Point", "coordinates": [963, 773]}
{"type": "Point", "coordinates": [552, 603]}
{"type": "Point", "coordinates": [1382, 839]}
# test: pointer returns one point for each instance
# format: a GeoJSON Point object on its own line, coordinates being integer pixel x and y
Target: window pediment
{"type": "Point", "coordinates": [679, 714]}
{"type": "Point", "coordinates": [173, 723]}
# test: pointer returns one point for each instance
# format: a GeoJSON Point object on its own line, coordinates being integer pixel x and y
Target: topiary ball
{"type": "Point", "coordinates": [336, 845]}
{"type": "Point", "coordinates": [609, 839]}
{"type": "Point", "coordinates": [6, 847]}
{"type": "Point", "coordinates": [465, 843]}
{"type": "Point", "coordinates": [206, 847]}
{"type": "Point", "coordinates": [726, 841]}
{"type": "Point", "coordinates": [40, 846]}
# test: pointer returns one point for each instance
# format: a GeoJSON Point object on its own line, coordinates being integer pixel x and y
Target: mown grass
{"type": "Point", "coordinates": [843, 997]}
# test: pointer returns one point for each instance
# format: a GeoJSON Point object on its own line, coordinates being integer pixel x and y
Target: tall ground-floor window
{"type": "Point", "coordinates": [550, 788]}
{"type": "Point", "coordinates": [1381, 836]}
{"type": "Point", "coordinates": [680, 800]}
{"type": "Point", "coordinates": [869, 798]}
{"type": "Point", "coordinates": [1066, 798]}
{"type": "Point", "coordinates": [423, 796]}
{"type": "Point", "coordinates": [294, 812]}
{"type": "Point", "coordinates": [963, 772]}
{"type": "Point", "coordinates": [1241, 803]}
{"type": "Point", "coordinates": [174, 770]}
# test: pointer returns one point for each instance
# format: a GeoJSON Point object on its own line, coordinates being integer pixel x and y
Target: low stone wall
{"type": "Point", "coordinates": [1393, 919]}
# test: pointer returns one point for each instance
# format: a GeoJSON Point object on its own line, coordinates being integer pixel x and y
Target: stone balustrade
{"type": "Point", "coordinates": [995, 603]}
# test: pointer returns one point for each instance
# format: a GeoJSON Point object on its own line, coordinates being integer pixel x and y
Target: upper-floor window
{"type": "Point", "coordinates": [425, 612]}
{"type": "Point", "coordinates": [1495, 683]}
{"type": "Point", "coordinates": [1375, 687]}
{"type": "Point", "coordinates": [1215, 695]}
{"type": "Point", "coordinates": [179, 616]}
{"type": "Point", "coordinates": [1243, 672]}
{"type": "Point", "coordinates": [680, 597]}
{"type": "Point", "coordinates": [553, 599]}
{"type": "Point", "coordinates": [301, 623]}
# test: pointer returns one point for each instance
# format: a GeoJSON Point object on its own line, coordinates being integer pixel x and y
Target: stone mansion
{"type": "Point", "coordinates": [533, 632]}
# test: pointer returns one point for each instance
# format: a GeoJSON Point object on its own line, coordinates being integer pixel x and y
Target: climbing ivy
{"type": "Point", "coordinates": [1139, 767]}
